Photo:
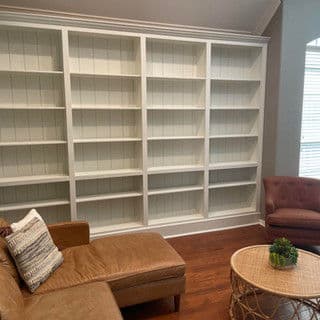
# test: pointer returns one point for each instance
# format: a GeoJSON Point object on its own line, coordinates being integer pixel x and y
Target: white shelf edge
{"type": "Point", "coordinates": [106, 140]}
{"type": "Point", "coordinates": [91, 175]}
{"type": "Point", "coordinates": [245, 108]}
{"type": "Point", "coordinates": [32, 72]}
{"type": "Point", "coordinates": [104, 75]}
{"type": "Point", "coordinates": [106, 108]}
{"type": "Point", "coordinates": [32, 108]}
{"type": "Point", "coordinates": [231, 184]}
{"type": "Point", "coordinates": [31, 143]}
{"type": "Point", "coordinates": [172, 169]}
{"type": "Point", "coordinates": [225, 136]}
{"type": "Point", "coordinates": [111, 196]}
{"type": "Point", "coordinates": [174, 190]}
{"type": "Point", "coordinates": [33, 204]}
{"type": "Point", "coordinates": [26, 180]}
{"type": "Point", "coordinates": [169, 220]}
{"type": "Point", "coordinates": [121, 226]}
{"type": "Point", "coordinates": [233, 165]}
{"type": "Point", "coordinates": [231, 212]}
{"type": "Point", "coordinates": [177, 77]}
{"type": "Point", "coordinates": [235, 80]}
{"type": "Point", "coordinates": [177, 108]}
{"type": "Point", "coordinates": [176, 138]}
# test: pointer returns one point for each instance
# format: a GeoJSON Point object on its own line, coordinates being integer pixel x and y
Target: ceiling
{"type": "Point", "coordinates": [250, 16]}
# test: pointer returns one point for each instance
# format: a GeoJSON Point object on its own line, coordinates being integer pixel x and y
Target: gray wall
{"type": "Point", "coordinates": [274, 31]}
{"type": "Point", "coordinates": [295, 24]}
{"type": "Point", "coordinates": [300, 24]}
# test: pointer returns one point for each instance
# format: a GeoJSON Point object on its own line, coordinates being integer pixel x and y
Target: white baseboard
{"type": "Point", "coordinates": [193, 227]}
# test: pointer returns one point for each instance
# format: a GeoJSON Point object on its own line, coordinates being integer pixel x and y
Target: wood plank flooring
{"type": "Point", "coordinates": [208, 287]}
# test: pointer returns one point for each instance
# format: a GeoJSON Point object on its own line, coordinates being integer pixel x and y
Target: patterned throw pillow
{"type": "Point", "coordinates": [34, 252]}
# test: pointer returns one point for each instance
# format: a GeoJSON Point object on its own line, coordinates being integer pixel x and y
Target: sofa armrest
{"type": "Point", "coordinates": [69, 234]}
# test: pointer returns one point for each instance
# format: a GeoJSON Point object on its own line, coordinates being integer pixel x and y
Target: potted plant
{"type": "Point", "coordinates": [283, 255]}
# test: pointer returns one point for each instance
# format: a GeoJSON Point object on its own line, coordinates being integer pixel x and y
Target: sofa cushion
{"type": "Point", "coordinates": [122, 261]}
{"type": "Point", "coordinates": [135, 259]}
{"type": "Point", "coordinates": [11, 300]}
{"type": "Point", "coordinates": [90, 301]}
{"type": "Point", "coordinates": [295, 218]}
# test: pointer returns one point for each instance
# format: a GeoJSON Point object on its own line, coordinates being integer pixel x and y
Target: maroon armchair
{"type": "Point", "coordinates": [293, 209]}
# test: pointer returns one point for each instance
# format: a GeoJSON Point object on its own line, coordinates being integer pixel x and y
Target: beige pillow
{"type": "Point", "coordinates": [34, 252]}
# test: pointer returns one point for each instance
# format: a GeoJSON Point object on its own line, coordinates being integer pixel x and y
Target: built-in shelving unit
{"type": "Point", "coordinates": [130, 131]}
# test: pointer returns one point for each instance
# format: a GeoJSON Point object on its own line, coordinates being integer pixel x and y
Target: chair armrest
{"type": "Point", "coordinates": [269, 204]}
{"type": "Point", "coordinates": [69, 234]}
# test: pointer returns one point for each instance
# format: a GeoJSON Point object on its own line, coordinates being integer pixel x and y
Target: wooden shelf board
{"type": "Point", "coordinates": [230, 212]}
{"type": "Point", "coordinates": [240, 135]}
{"type": "Point", "coordinates": [110, 196]}
{"type": "Point", "coordinates": [115, 227]}
{"type": "Point", "coordinates": [176, 138]}
{"type": "Point", "coordinates": [105, 75]}
{"type": "Point", "coordinates": [233, 165]}
{"type": "Point", "coordinates": [168, 220]}
{"type": "Point", "coordinates": [106, 140]}
{"type": "Point", "coordinates": [172, 169]}
{"type": "Point", "coordinates": [245, 108]}
{"type": "Point", "coordinates": [129, 107]}
{"type": "Point", "coordinates": [177, 108]}
{"type": "Point", "coordinates": [32, 72]}
{"type": "Point", "coordinates": [231, 184]}
{"type": "Point", "coordinates": [89, 175]}
{"type": "Point", "coordinates": [25, 180]}
{"type": "Point", "coordinates": [174, 190]}
{"type": "Point", "coordinates": [33, 204]}
{"type": "Point", "coordinates": [31, 143]}
{"type": "Point", "coordinates": [177, 77]}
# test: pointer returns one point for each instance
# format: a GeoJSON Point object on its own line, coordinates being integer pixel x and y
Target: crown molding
{"type": "Point", "coordinates": [23, 15]}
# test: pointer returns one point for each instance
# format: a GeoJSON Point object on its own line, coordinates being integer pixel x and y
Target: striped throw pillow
{"type": "Point", "coordinates": [35, 254]}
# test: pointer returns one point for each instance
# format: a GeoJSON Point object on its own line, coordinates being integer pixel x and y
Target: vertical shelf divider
{"type": "Point", "coordinates": [144, 131]}
{"type": "Point", "coordinates": [261, 123]}
{"type": "Point", "coordinates": [69, 122]}
{"type": "Point", "coordinates": [207, 130]}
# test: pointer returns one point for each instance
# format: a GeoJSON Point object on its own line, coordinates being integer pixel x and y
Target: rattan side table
{"type": "Point", "coordinates": [261, 292]}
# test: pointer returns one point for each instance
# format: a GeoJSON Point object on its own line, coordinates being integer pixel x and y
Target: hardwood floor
{"type": "Point", "coordinates": [208, 290]}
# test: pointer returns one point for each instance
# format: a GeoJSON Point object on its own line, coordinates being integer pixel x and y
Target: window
{"type": "Point", "coordinates": [310, 130]}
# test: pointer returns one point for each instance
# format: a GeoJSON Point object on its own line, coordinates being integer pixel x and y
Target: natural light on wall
{"type": "Point", "coordinates": [310, 131]}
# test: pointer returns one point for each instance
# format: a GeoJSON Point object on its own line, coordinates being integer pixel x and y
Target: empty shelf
{"type": "Point", "coordinates": [23, 180]}
{"type": "Point", "coordinates": [107, 174]}
{"type": "Point", "coordinates": [231, 184]}
{"type": "Point", "coordinates": [234, 164]}
{"type": "Point", "coordinates": [101, 140]}
{"type": "Point", "coordinates": [168, 220]}
{"type": "Point", "coordinates": [109, 196]}
{"type": "Point", "coordinates": [169, 169]}
{"type": "Point", "coordinates": [33, 204]}
{"type": "Point", "coordinates": [174, 190]}
{"type": "Point", "coordinates": [31, 143]}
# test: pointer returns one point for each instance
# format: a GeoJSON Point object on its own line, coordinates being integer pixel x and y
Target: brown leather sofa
{"type": "Point", "coordinates": [96, 278]}
{"type": "Point", "coordinates": [293, 209]}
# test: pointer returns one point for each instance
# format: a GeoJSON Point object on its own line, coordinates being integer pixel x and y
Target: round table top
{"type": "Point", "coordinates": [303, 281]}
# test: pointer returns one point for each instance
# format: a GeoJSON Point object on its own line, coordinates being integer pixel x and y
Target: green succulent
{"type": "Point", "coordinates": [283, 253]}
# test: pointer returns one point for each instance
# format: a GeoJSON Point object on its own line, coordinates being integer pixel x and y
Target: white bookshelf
{"type": "Point", "coordinates": [130, 131]}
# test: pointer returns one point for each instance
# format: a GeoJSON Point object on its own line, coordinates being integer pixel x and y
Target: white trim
{"type": "Point", "coordinates": [262, 222]}
{"type": "Point", "coordinates": [192, 227]}
{"type": "Point", "coordinates": [19, 14]}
